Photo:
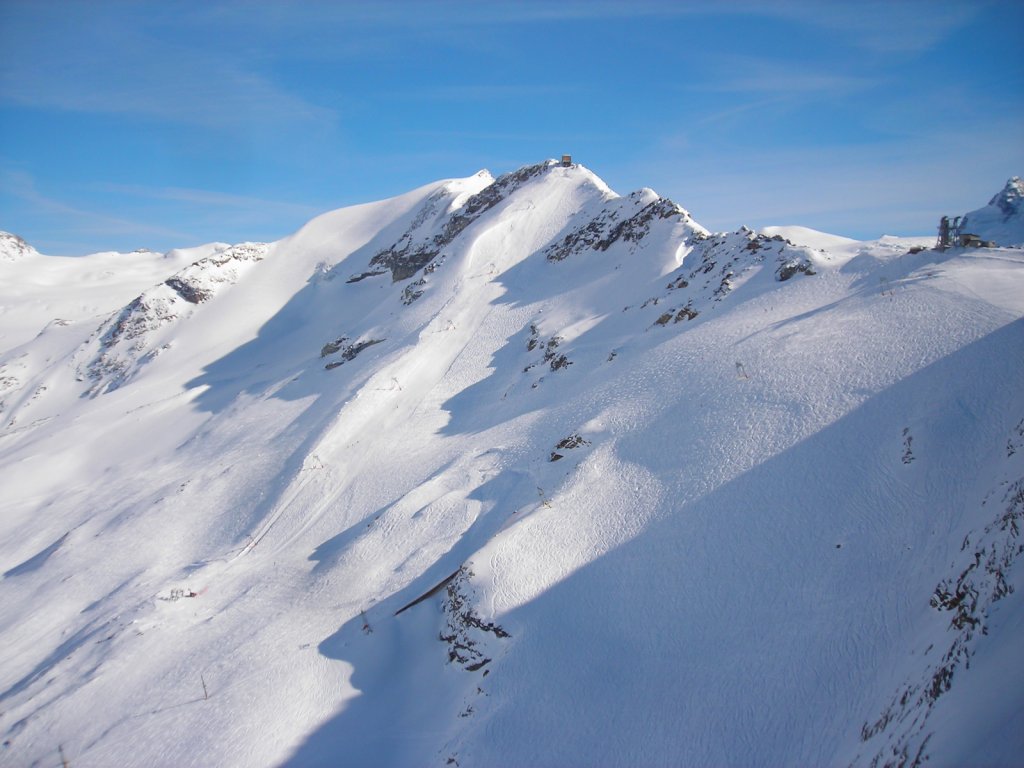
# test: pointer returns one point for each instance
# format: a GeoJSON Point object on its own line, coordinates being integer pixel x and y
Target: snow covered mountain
{"type": "Point", "coordinates": [515, 472]}
{"type": "Point", "coordinates": [1002, 220]}
{"type": "Point", "coordinates": [13, 247]}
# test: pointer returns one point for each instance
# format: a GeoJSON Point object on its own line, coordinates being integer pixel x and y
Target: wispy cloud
{"type": "Point", "coordinates": [731, 73]}
{"type": "Point", "coordinates": [513, 136]}
{"type": "Point", "coordinates": [115, 61]}
{"type": "Point", "coordinates": [201, 197]}
{"type": "Point", "coordinates": [489, 91]}
{"type": "Point", "coordinates": [195, 92]}
{"type": "Point", "coordinates": [898, 185]}
{"type": "Point", "coordinates": [210, 215]}
{"type": "Point", "coordinates": [931, 19]}
{"type": "Point", "coordinates": [878, 25]}
{"type": "Point", "coordinates": [458, 13]}
{"type": "Point", "coordinates": [881, 26]}
{"type": "Point", "coordinates": [85, 222]}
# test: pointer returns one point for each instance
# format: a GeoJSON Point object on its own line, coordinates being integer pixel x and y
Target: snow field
{"type": "Point", "coordinates": [730, 563]}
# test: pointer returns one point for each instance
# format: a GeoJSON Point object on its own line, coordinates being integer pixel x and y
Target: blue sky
{"type": "Point", "coordinates": [163, 124]}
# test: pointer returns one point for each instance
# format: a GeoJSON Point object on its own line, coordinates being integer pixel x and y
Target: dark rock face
{"type": "Point", "coordinates": [200, 281]}
{"type": "Point", "coordinates": [790, 267]}
{"type": "Point", "coordinates": [124, 341]}
{"type": "Point", "coordinates": [132, 321]}
{"type": "Point", "coordinates": [733, 253]}
{"type": "Point", "coordinates": [686, 313]}
{"type": "Point", "coordinates": [608, 227]}
{"type": "Point", "coordinates": [465, 633]}
{"type": "Point", "coordinates": [1011, 199]}
{"type": "Point", "coordinates": [347, 353]}
{"type": "Point", "coordinates": [716, 263]}
{"type": "Point", "coordinates": [413, 291]}
{"type": "Point", "coordinates": [567, 444]}
{"type": "Point", "coordinates": [128, 340]}
{"type": "Point", "coordinates": [191, 293]}
{"type": "Point", "coordinates": [352, 350]}
{"type": "Point", "coordinates": [979, 578]}
{"type": "Point", "coordinates": [404, 261]}
{"type": "Point", "coordinates": [411, 253]}
{"type": "Point", "coordinates": [555, 360]}
{"type": "Point", "coordinates": [497, 191]}
{"type": "Point", "coordinates": [364, 275]}
{"type": "Point", "coordinates": [333, 346]}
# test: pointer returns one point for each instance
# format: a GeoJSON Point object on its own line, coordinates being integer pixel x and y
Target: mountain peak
{"type": "Point", "coordinates": [14, 248]}
{"type": "Point", "coordinates": [1010, 200]}
{"type": "Point", "coordinates": [1002, 220]}
{"type": "Point", "coordinates": [496, 436]}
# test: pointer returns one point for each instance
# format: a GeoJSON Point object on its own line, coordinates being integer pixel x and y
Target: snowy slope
{"type": "Point", "coordinates": [1002, 220]}
{"type": "Point", "coordinates": [513, 471]}
{"type": "Point", "coordinates": [13, 248]}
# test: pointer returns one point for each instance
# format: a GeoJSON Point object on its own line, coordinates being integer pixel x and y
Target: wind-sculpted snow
{"type": "Point", "coordinates": [581, 484]}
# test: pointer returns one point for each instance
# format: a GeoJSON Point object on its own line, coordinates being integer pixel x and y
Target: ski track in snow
{"type": "Point", "coordinates": [759, 484]}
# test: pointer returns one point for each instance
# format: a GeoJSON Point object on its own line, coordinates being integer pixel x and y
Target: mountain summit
{"type": "Point", "coordinates": [1011, 200]}
{"type": "Point", "coordinates": [1002, 220]}
{"type": "Point", "coordinates": [13, 247]}
{"type": "Point", "coordinates": [514, 471]}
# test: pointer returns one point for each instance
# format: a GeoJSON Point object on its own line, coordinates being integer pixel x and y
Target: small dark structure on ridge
{"type": "Point", "coordinates": [566, 161]}
{"type": "Point", "coordinates": [951, 234]}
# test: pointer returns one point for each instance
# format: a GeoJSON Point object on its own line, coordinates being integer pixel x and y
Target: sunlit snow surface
{"type": "Point", "coordinates": [705, 499]}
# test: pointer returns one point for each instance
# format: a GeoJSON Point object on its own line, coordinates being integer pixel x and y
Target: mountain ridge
{"type": "Point", "coordinates": [645, 491]}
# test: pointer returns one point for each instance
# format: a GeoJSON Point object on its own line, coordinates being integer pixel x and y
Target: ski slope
{"type": "Point", "coordinates": [513, 471]}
